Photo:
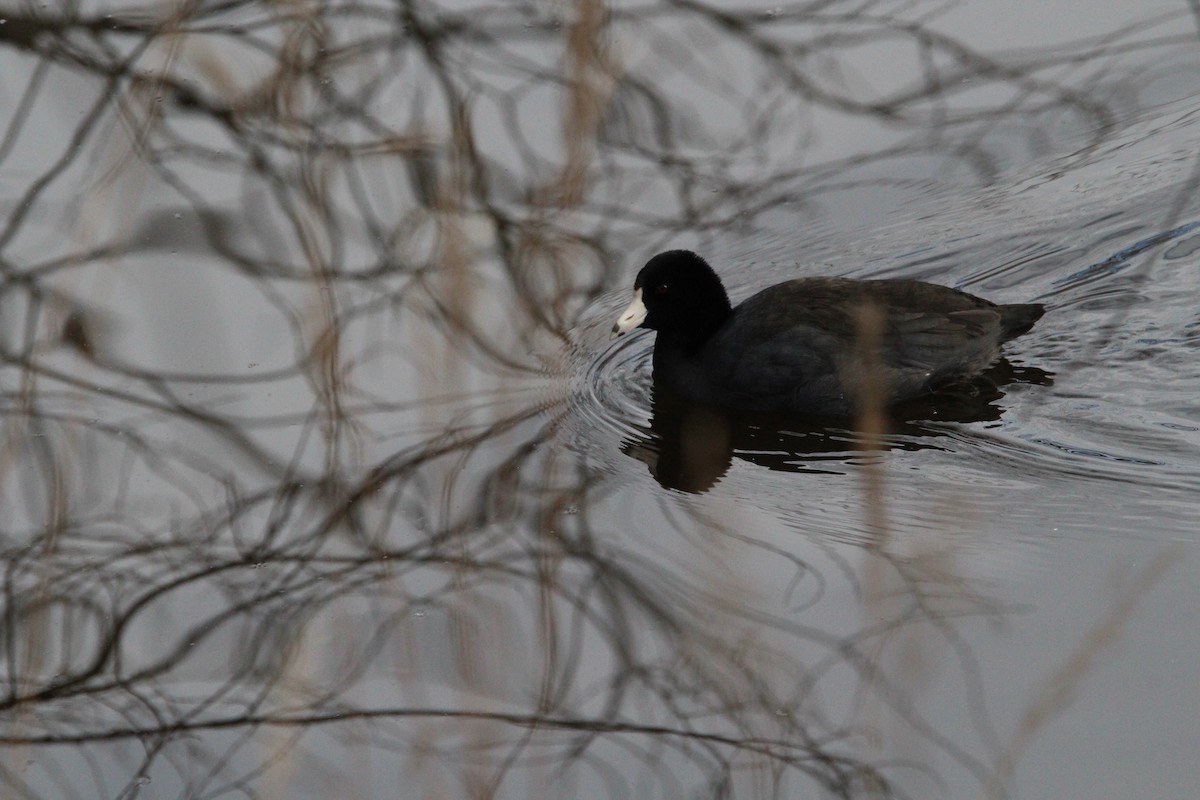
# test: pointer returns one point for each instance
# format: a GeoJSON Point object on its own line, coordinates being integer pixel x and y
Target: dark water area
{"type": "Point", "coordinates": [321, 476]}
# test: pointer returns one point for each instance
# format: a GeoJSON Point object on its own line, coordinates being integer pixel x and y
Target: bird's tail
{"type": "Point", "coordinates": [1018, 318]}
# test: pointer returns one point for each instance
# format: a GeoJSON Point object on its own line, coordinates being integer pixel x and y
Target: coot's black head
{"type": "Point", "coordinates": [677, 294]}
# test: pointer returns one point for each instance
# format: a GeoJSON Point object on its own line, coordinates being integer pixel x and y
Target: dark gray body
{"type": "Point", "coordinates": [799, 345]}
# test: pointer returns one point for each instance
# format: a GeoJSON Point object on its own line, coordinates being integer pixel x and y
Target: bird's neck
{"type": "Point", "coordinates": [703, 324]}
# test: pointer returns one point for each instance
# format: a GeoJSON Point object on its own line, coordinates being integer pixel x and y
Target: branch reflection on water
{"type": "Point", "coordinates": [289, 335]}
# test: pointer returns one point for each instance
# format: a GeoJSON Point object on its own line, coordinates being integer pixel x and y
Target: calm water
{"type": "Point", "coordinates": [320, 475]}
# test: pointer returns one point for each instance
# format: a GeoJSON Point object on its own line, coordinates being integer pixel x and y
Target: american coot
{"type": "Point", "coordinates": [798, 345]}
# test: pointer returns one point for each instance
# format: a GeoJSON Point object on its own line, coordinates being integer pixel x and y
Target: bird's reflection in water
{"type": "Point", "coordinates": [692, 446]}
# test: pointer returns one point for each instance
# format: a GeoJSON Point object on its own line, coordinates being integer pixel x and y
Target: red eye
{"type": "Point", "coordinates": [661, 288]}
